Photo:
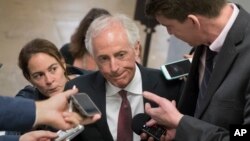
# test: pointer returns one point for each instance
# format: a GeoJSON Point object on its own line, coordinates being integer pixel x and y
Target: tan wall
{"type": "Point", "coordinates": [55, 20]}
{"type": "Point", "coordinates": [23, 20]}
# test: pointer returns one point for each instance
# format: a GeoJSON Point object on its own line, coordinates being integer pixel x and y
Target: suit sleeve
{"type": "Point", "coordinates": [9, 138]}
{"type": "Point", "coordinates": [16, 113]}
{"type": "Point", "coordinates": [192, 129]}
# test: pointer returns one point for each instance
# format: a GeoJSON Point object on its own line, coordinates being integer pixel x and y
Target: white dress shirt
{"type": "Point", "coordinates": [216, 45]}
{"type": "Point", "coordinates": [113, 102]}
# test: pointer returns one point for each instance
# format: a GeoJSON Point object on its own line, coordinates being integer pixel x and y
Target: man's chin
{"type": "Point", "coordinates": [119, 84]}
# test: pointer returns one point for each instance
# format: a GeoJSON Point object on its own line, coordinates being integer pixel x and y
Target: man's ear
{"type": "Point", "coordinates": [138, 50]}
{"type": "Point", "coordinates": [194, 20]}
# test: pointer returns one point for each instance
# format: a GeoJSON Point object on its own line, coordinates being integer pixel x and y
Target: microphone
{"type": "Point", "coordinates": [139, 126]}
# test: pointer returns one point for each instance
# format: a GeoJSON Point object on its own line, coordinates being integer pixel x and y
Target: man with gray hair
{"type": "Point", "coordinates": [117, 87]}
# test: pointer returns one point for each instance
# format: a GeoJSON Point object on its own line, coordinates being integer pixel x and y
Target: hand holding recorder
{"type": "Point", "coordinates": [139, 126]}
{"type": "Point", "coordinates": [83, 104]}
{"type": "Point", "coordinates": [88, 111]}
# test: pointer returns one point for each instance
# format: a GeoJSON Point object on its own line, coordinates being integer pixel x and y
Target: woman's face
{"type": "Point", "coordinates": [46, 74]}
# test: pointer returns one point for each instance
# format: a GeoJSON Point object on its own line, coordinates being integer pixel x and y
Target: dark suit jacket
{"type": "Point", "coordinates": [16, 113]}
{"type": "Point", "coordinates": [227, 100]}
{"type": "Point", "coordinates": [94, 85]}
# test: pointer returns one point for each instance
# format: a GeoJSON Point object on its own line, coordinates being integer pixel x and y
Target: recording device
{"type": "Point", "coordinates": [69, 134]}
{"type": "Point", "coordinates": [176, 69]}
{"type": "Point", "coordinates": [139, 126]}
{"type": "Point", "coordinates": [83, 104]}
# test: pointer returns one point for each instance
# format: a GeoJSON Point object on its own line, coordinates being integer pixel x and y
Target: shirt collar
{"type": "Point", "coordinates": [134, 87]}
{"type": "Point", "coordinates": [219, 41]}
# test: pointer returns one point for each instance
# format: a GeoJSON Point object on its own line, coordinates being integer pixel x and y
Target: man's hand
{"type": "Point", "coordinates": [170, 135]}
{"type": "Point", "coordinates": [38, 136]}
{"type": "Point", "coordinates": [166, 114]}
{"type": "Point", "coordinates": [50, 112]}
{"type": "Point", "coordinates": [76, 118]}
{"type": "Point", "coordinates": [55, 112]}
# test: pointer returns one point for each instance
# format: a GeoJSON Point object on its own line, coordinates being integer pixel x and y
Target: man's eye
{"type": "Point", "coordinates": [121, 55]}
{"type": "Point", "coordinates": [102, 59]}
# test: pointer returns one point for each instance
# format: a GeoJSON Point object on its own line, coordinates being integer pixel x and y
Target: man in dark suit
{"type": "Point", "coordinates": [113, 42]}
{"type": "Point", "coordinates": [207, 111]}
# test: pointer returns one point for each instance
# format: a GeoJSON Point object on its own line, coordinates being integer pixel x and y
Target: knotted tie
{"type": "Point", "coordinates": [207, 73]}
{"type": "Point", "coordinates": [124, 132]}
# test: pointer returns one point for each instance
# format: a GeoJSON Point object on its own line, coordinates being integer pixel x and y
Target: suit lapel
{"type": "Point", "coordinates": [226, 57]}
{"type": "Point", "coordinates": [100, 100]}
{"type": "Point", "coordinates": [191, 88]}
{"type": "Point", "coordinates": [147, 84]}
{"type": "Point", "coordinates": [224, 62]}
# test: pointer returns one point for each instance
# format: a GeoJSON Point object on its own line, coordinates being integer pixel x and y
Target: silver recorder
{"type": "Point", "coordinates": [69, 134]}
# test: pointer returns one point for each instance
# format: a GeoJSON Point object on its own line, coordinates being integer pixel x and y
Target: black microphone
{"type": "Point", "coordinates": [139, 126]}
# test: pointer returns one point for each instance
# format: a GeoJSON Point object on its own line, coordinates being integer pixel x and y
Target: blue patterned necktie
{"type": "Point", "coordinates": [209, 63]}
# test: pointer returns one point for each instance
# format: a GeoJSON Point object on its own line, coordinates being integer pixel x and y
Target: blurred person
{"type": "Point", "coordinates": [113, 41]}
{"type": "Point", "coordinates": [216, 94]}
{"type": "Point", "coordinates": [75, 52]}
{"type": "Point", "coordinates": [36, 136]}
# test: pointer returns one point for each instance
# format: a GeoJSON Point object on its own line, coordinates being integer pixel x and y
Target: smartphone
{"type": "Point", "coordinates": [69, 134]}
{"type": "Point", "coordinates": [83, 104]}
{"type": "Point", "coordinates": [176, 69]}
{"type": "Point", "coordinates": [139, 126]}
{"type": "Point", "coordinates": [154, 131]}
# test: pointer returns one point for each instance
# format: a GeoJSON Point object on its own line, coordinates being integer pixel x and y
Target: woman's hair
{"type": "Point", "coordinates": [77, 45]}
{"type": "Point", "coordinates": [38, 46]}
